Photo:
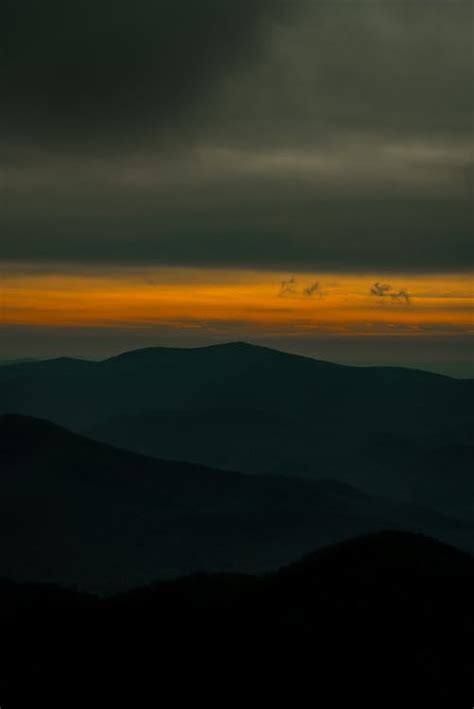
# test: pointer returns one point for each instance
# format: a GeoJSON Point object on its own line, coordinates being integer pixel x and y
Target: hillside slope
{"type": "Point", "coordinates": [253, 409]}
{"type": "Point", "coordinates": [378, 619]}
{"type": "Point", "coordinates": [76, 511]}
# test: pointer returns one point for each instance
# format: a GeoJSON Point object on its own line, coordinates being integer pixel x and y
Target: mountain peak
{"type": "Point", "coordinates": [152, 353]}
{"type": "Point", "coordinates": [389, 551]}
{"type": "Point", "coordinates": [237, 344]}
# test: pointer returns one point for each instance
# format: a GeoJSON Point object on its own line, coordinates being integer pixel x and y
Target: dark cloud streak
{"type": "Point", "coordinates": [288, 287]}
{"type": "Point", "coordinates": [313, 290]}
{"type": "Point", "coordinates": [89, 71]}
{"type": "Point", "coordinates": [306, 135]}
{"type": "Point", "coordinates": [384, 291]}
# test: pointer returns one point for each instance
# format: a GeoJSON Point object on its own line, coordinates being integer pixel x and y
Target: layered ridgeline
{"type": "Point", "coordinates": [377, 618]}
{"type": "Point", "coordinates": [78, 512]}
{"type": "Point", "coordinates": [391, 431]}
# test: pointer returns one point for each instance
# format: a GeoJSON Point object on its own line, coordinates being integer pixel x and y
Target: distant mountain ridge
{"type": "Point", "coordinates": [76, 511]}
{"type": "Point", "coordinates": [239, 406]}
{"type": "Point", "coordinates": [228, 349]}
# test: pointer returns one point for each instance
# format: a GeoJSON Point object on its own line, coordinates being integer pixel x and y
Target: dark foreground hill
{"type": "Point", "coordinates": [241, 407]}
{"type": "Point", "coordinates": [79, 512]}
{"type": "Point", "coordinates": [383, 620]}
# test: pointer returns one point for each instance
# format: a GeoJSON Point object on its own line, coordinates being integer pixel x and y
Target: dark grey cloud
{"type": "Point", "coordinates": [291, 287]}
{"type": "Point", "coordinates": [313, 290]}
{"type": "Point", "coordinates": [384, 67]}
{"type": "Point", "coordinates": [384, 291]}
{"type": "Point", "coordinates": [278, 226]}
{"type": "Point", "coordinates": [288, 287]}
{"type": "Point", "coordinates": [89, 72]}
{"type": "Point", "coordinates": [289, 134]}
{"type": "Point", "coordinates": [103, 69]}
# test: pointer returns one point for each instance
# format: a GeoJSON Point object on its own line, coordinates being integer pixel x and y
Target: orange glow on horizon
{"type": "Point", "coordinates": [339, 303]}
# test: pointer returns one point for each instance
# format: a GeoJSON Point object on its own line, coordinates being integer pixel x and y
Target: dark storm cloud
{"type": "Point", "coordinates": [94, 70]}
{"type": "Point", "coordinates": [385, 68]}
{"type": "Point", "coordinates": [278, 225]}
{"type": "Point", "coordinates": [290, 134]}
{"type": "Point", "coordinates": [91, 68]}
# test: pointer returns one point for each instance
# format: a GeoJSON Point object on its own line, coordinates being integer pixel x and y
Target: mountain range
{"type": "Point", "coordinates": [79, 512]}
{"type": "Point", "coordinates": [386, 617]}
{"type": "Point", "coordinates": [152, 507]}
{"type": "Point", "coordinates": [399, 433]}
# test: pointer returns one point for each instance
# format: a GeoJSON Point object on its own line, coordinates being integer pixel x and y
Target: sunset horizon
{"type": "Point", "coordinates": [236, 353]}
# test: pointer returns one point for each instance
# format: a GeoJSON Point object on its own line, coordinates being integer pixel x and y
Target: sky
{"type": "Point", "coordinates": [295, 173]}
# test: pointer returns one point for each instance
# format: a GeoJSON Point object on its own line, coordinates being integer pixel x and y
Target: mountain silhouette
{"type": "Point", "coordinates": [80, 512]}
{"type": "Point", "coordinates": [249, 408]}
{"type": "Point", "coordinates": [382, 618]}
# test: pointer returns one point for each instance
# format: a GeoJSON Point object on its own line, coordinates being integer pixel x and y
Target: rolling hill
{"type": "Point", "coordinates": [396, 432]}
{"type": "Point", "coordinates": [384, 618]}
{"type": "Point", "coordinates": [78, 512]}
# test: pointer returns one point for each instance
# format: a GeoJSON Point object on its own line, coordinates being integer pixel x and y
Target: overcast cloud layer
{"type": "Point", "coordinates": [287, 134]}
